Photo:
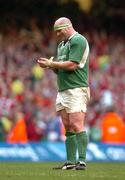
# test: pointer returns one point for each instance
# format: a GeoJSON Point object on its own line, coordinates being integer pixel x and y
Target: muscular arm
{"type": "Point", "coordinates": [67, 65]}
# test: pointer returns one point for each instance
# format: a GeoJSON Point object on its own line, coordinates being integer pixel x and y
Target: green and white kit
{"type": "Point", "coordinates": [76, 49]}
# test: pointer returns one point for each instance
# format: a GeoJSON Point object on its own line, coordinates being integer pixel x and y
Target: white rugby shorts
{"type": "Point", "coordinates": [73, 100]}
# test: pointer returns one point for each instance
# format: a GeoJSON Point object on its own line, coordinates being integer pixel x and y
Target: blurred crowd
{"type": "Point", "coordinates": [28, 92]}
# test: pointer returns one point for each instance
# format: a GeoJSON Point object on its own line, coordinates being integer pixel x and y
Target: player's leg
{"type": "Point", "coordinates": [71, 145]}
{"type": "Point", "coordinates": [77, 126]}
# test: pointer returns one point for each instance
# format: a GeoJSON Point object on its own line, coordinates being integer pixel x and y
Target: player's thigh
{"type": "Point", "coordinates": [65, 118]}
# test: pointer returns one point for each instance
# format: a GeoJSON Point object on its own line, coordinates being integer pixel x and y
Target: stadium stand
{"type": "Point", "coordinates": [29, 91]}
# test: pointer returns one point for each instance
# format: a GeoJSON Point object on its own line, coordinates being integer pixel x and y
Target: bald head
{"type": "Point", "coordinates": [63, 20]}
{"type": "Point", "coordinates": [62, 23]}
{"type": "Point", "coordinates": [63, 28]}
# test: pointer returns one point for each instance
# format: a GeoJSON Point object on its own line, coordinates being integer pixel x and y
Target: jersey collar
{"type": "Point", "coordinates": [72, 35]}
{"type": "Point", "coordinates": [64, 42]}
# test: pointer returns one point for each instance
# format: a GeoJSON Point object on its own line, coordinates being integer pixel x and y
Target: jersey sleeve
{"type": "Point", "coordinates": [77, 48]}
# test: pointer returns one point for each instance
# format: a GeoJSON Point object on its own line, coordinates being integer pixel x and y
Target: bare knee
{"type": "Point", "coordinates": [76, 127]}
{"type": "Point", "coordinates": [76, 122]}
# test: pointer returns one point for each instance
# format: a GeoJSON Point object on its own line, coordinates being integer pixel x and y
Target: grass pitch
{"type": "Point", "coordinates": [44, 171]}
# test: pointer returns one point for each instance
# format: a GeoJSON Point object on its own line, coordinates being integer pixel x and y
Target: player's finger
{"type": "Point", "coordinates": [43, 59]}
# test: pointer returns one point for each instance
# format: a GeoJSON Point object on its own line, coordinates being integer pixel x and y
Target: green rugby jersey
{"type": "Point", "coordinates": [76, 49]}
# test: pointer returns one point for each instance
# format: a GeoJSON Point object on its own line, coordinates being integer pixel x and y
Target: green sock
{"type": "Point", "coordinates": [71, 147]}
{"type": "Point", "coordinates": [82, 141]}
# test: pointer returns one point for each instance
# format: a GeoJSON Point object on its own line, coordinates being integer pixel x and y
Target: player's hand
{"type": "Point", "coordinates": [44, 62]}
